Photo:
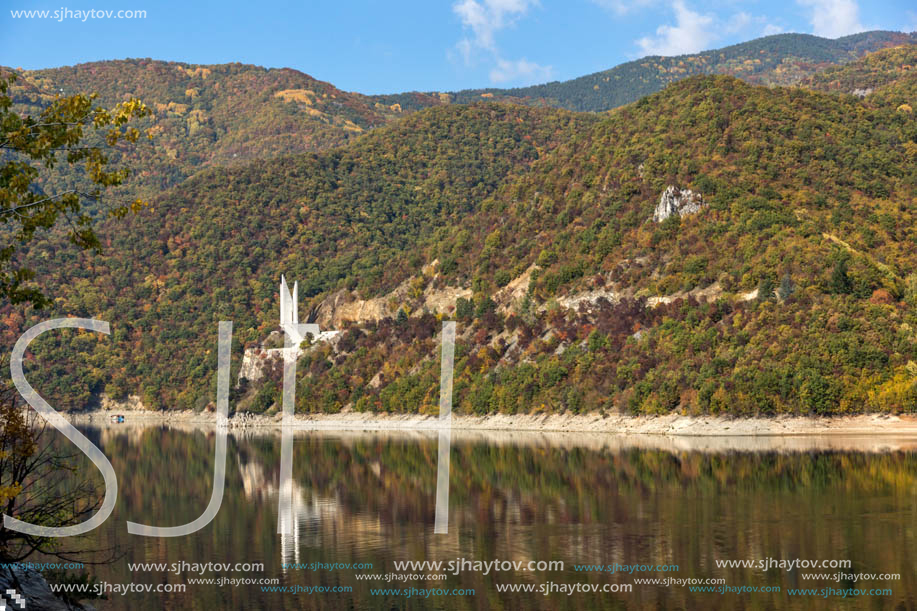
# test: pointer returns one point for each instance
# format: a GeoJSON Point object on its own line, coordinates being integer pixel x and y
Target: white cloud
{"type": "Point", "coordinates": [695, 32]}
{"type": "Point", "coordinates": [771, 29]}
{"type": "Point", "coordinates": [912, 17]}
{"type": "Point", "coordinates": [465, 49]}
{"type": "Point", "coordinates": [833, 18]}
{"type": "Point", "coordinates": [737, 23]}
{"type": "Point", "coordinates": [691, 33]}
{"type": "Point", "coordinates": [483, 19]}
{"type": "Point", "coordinates": [507, 70]}
{"type": "Point", "coordinates": [622, 7]}
{"type": "Point", "coordinates": [487, 17]}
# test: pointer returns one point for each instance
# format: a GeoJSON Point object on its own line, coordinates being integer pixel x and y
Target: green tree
{"type": "Point", "coordinates": [57, 135]}
{"type": "Point", "coordinates": [32, 488]}
{"type": "Point", "coordinates": [840, 280]}
{"type": "Point", "coordinates": [464, 309]}
{"type": "Point", "coordinates": [786, 287]}
{"type": "Point", "coordinates": [766, 288]}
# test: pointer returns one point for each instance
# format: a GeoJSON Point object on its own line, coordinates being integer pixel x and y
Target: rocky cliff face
{"type": "Point", "coordinates": [345, 306]}
{"type": "Point", "coordinates": [677, 201]}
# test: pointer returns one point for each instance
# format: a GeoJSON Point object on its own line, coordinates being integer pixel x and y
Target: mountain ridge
{"type": "Point", "coordinates": [786, 62]}
{"type": "Point", "coordinates": [810, 194]}
{"type": "Point", "coordinates": [787, 289]}
{"type": "Point", "coordinates": [225, 114]}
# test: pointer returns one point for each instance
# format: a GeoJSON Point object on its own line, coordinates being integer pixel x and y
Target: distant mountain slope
{"type": "Point", "coordinates": [781, 59]}
{"type": "Point", "coordinates": [231, 113]}
{"type": "Point", "coordinates": [875, 71]}
{"type": "Point", "coordinates": [214, 115]}
{"type": "Point", "coordinates": [790, 289]}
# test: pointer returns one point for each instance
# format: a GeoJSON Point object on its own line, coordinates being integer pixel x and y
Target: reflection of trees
{"type": "Point", "coordinates": [368, 498]}
{"type": "Point", "coordinates": [630, 505]}
{"type": "Point", "coordinates": [304, 515]}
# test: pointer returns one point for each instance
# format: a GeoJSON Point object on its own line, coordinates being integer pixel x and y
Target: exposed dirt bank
{"type": "Point", "coordinates": [871, 424]}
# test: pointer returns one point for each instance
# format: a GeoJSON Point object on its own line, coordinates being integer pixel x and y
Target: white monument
{"type": "Point", "coordinates": [289, 316]}
{"type": "Point", "coordinates": [253, 359]}
{"type": "Point", "coordinates": [289, 319]}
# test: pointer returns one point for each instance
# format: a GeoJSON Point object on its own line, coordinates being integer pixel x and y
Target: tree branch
{"type": "Point", "coordinates": [47, 199]}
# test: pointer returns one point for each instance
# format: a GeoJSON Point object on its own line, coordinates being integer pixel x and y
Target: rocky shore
{"type": "Point", "coordinates": [867, 424]}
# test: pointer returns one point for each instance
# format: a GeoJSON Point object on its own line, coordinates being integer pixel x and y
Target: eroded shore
{"type": "Point", "coordinates": [868, 424]}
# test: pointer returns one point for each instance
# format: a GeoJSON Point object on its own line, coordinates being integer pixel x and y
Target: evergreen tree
{"type": "Point", "coordinates": [840, 281]}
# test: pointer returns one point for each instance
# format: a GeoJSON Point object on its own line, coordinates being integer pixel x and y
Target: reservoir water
{"type": "Point", "coordinates": [674, 510]}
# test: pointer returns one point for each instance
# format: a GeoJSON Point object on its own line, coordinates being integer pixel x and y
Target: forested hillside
{"type": "Point", "coordinates": [781, 59]}
{"type": "Point", "coordinates": [211, 115]}
{"type": "Point", "coordinates": [876, 71]}
{"type": "Point", "coordinates": [217, 115]}
{"type": "Point", "coordinates": [215, 247]}
{"type": "Point", "coordinates": [789, 289]}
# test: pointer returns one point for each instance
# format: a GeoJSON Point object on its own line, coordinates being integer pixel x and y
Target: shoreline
{"type": "Point", "coordinates": [612, 424]}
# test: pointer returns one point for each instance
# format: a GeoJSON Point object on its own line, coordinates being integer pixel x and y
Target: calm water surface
{"type": "Point", "coordinates": [584, 500]}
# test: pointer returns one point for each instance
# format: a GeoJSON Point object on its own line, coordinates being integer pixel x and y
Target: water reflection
{"type": "Point", "coordinates": [301, 514]}
{"type": "Point", "coordinates": [369, 497]}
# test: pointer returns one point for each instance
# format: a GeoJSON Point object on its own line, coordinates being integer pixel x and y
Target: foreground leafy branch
{"type": "Point", "coordinates": [57, 135]}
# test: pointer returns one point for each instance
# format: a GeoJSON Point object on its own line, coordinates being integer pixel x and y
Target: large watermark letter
{"type": "Point", "coordinates": [219, 465]}
{"type": "Point", "coordinates": [292, 336]}
{"type": "Point", "coordinates": [447, 367]}
{"type": "Point", "coordinates": [69, 431]}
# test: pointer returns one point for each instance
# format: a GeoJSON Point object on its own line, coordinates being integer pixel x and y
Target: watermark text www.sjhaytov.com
{"type": "Point", "coordinates": [66, 14]}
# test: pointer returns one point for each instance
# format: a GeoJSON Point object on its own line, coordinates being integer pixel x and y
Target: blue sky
{"type": "Point", "coordinates": [373, 46]}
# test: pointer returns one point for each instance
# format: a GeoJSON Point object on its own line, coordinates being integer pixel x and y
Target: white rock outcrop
{"type": "Point", "coordinates": [677, 201]}
{"type": "Point", "coordinates": [254, 361]}
{"type": "Point", "coordinates": [345, 306]}
{"type": "Point", "coordinates": [590, 298]}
